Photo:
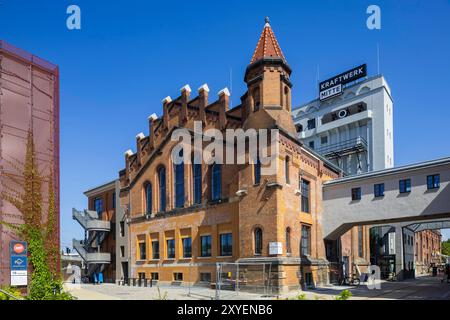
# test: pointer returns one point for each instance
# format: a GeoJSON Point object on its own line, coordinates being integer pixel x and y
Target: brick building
{"type": "Point", "coordinates": [427, 247]}
{"type": "Point", "coordinates": [183, 219]}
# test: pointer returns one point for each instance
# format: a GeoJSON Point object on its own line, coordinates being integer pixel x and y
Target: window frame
{"type": "Point", "coordinates": [206, 252]}
{"type": "Point", "coordinates": [435, 181]}
{"type": "Point", "coordinates": [288, 241]}
{"type": "Point", "coordinates": [378, 190]}
{"type": "Point", "coordinates": [148, 198]}
{"type": "Point", "coordinates": [183, 244]}
{"type": "Point", "coordinates": [216, 182]}
{"type": "Point", "coordinates": [178, 171]}
{"type": "Point", "coordinates": [258, 241]}
{"type": "Point", "coordinates": [406, 183]}
{"type": "Point", "coordinates": [228, 237]}
{"type": "Point", "coordinates": [162, 177]}
{"type": "Point", "coordinates": [197, 182]}
{"type": "Point", "coordinates": [142, 251]}
{"type": "Point", "coordinates": [311, 124]}
{"type": "Point", "coordinates": [305, 205]}
{"type": "Point", "coordinates": [170, 249]}
{"type": "Point", "coordinates": [356, 194]}
{"type": "Point", "coordinates": [305, 248]}
{"type": "Point", "coordinates": [155, 250]}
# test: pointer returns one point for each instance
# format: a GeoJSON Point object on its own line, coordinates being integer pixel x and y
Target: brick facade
{"type": "Point", "coordinates": [272, 205]}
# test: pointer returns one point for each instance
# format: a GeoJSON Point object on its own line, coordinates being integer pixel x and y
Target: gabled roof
{"type": "Point", "coordinates": [267, 46]}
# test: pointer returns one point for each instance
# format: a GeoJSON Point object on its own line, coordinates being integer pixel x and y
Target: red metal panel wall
{"type": "Point", "coordinates": [29, 99]}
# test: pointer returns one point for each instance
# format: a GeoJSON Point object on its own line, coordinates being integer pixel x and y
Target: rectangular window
{"type": "Point", "coordinates": [378, 190]}
{"type": "Point", "coordinates": [155, 275]}
{"type": "Point", "coordinates": [433, 181]}
{"type": "Point", "coordinates": [324, 140]}
{"type": "Point", "coordinates": [122, 251]}
{"type": "Point", "coordinates": [356, 194]}
{"type": "Point", "coordinates": [205, 246]}
{"type": "Point", "coordinates": [187, 247]}
{"type": "Point", "coordinates": [304, 187]}
{"type": "Point", "coordinates": [306, 240]}
{"type": "Point", "coordinates": [170, 249]}
{"type": "Point", "coordinates": [114, 200]}
{"type": "Point", "coordinates": [98, 207]}
{"type": "Point", "coordinates": [122, 228]}
{"type": "Point", "coordinates": [205, 277]}
{"type": "Point", "coordinates": [142, 251]}
{"type": "Point", "coordinates": [405, 186]}
{"type": "Point", "coordinates": [178, 276]}
{"type": "Point", "coordinates": [311, 124]}
{"type": "Point", "coordinates": [257, 171]}
{"type": "Point", "coordinates": [155, 250]}
{"type": "Point", "coordinates": [216, 182]}
{"type": "Point", "coordinates": [197, 183]}
{"type": "Point", "coordinates": [311, 144]}
{"type": "Point", "coordinates": [226, 244]}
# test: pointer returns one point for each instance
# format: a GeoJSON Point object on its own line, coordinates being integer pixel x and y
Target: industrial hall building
{"type": "Point", "coordinates": [185, 219]}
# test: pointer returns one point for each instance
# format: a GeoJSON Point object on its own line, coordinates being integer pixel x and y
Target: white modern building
{"type": "Point", "coordinates": [353, 129]}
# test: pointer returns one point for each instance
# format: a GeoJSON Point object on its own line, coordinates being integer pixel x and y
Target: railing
{"type": "Point", "coordinates": [358, 143]}
{"type": "Point", "coordinates": [90, 257]}
{"type": "Point", "coordinates": [87, 220]}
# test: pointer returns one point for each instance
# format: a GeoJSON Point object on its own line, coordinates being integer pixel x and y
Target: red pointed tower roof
{"type": "Point", "coordinates": [267, 46]}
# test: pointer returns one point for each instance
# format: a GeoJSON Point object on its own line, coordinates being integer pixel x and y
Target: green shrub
{"type": "Point", "coordinates": [344, 295]}
{"type": "Point", "coordinates": [12, 291]}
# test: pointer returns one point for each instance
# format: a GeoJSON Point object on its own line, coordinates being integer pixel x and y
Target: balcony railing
{"type": "Point", "coordinates": [357, 144]}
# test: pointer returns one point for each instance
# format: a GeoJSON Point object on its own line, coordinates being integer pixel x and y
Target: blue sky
{"type": "Point", "coordinates": [130, 54]}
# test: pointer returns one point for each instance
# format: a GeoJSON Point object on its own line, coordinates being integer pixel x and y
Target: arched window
{"type": "Point", "coordinates": [216, 182]}
{"type": "Point", "coordinates": [162, 188]}
{"type": "Point", "coordinates": [286, 96]}
{"type": "Point", "coordinates": [179, 183]}
{"type": "Point", "coordinates": [258, 240]}
{"type": "Point", "coordinates": [148, 198]}
{"type": "Point", "coordinates": [197, 173]}
{"type": "Point", "coordinates": [288, 240]}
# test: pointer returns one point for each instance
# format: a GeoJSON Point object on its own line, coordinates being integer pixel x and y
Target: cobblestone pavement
{"type": "Point", "coordinates": [422, 288]}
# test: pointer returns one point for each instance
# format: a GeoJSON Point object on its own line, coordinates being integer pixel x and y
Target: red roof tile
{"type": "Point", "coordinates": [267, 45]}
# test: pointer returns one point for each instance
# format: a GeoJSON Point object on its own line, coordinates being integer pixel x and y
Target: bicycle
{"type": "Point", "coordinates": [351, 280]}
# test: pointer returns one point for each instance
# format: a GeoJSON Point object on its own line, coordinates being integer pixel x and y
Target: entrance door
{"type": "Point", "coordinates": [125, 270]}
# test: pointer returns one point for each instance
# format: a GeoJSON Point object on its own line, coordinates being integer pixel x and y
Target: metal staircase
{"type": "Point", "coordinates": [89, 249]}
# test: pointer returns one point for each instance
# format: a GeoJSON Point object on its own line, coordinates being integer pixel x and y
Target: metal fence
{"type": "Point", "coordinates": [237, 278]}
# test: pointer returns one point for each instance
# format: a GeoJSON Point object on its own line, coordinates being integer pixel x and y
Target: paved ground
{"type": "Point", "coordinates": [418, 289]}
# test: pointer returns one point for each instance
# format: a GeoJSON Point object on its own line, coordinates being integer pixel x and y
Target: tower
{"type": "Point", "coordinates": [268, 98]}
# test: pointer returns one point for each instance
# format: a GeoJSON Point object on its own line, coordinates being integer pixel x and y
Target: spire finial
{"type": "Point", "coordinates": [267, 20]}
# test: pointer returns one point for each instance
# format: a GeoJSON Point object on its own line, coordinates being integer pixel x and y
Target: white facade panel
{"type": "Point", "coordinates": [353, 130]}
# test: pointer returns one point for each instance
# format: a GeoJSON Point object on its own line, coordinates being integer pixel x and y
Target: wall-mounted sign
{"type": "Point", "coordinates": [18, 247]}
{"type": "Point", "coordinates": [275, 248]}
{"type": "Point", "coordinates": [333, 87]}
{"type": "Point", "coordinates": [18, 263]}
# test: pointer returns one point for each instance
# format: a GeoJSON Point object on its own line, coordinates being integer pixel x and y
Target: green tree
{"type": "Point", "coordinates": [446, 247]}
